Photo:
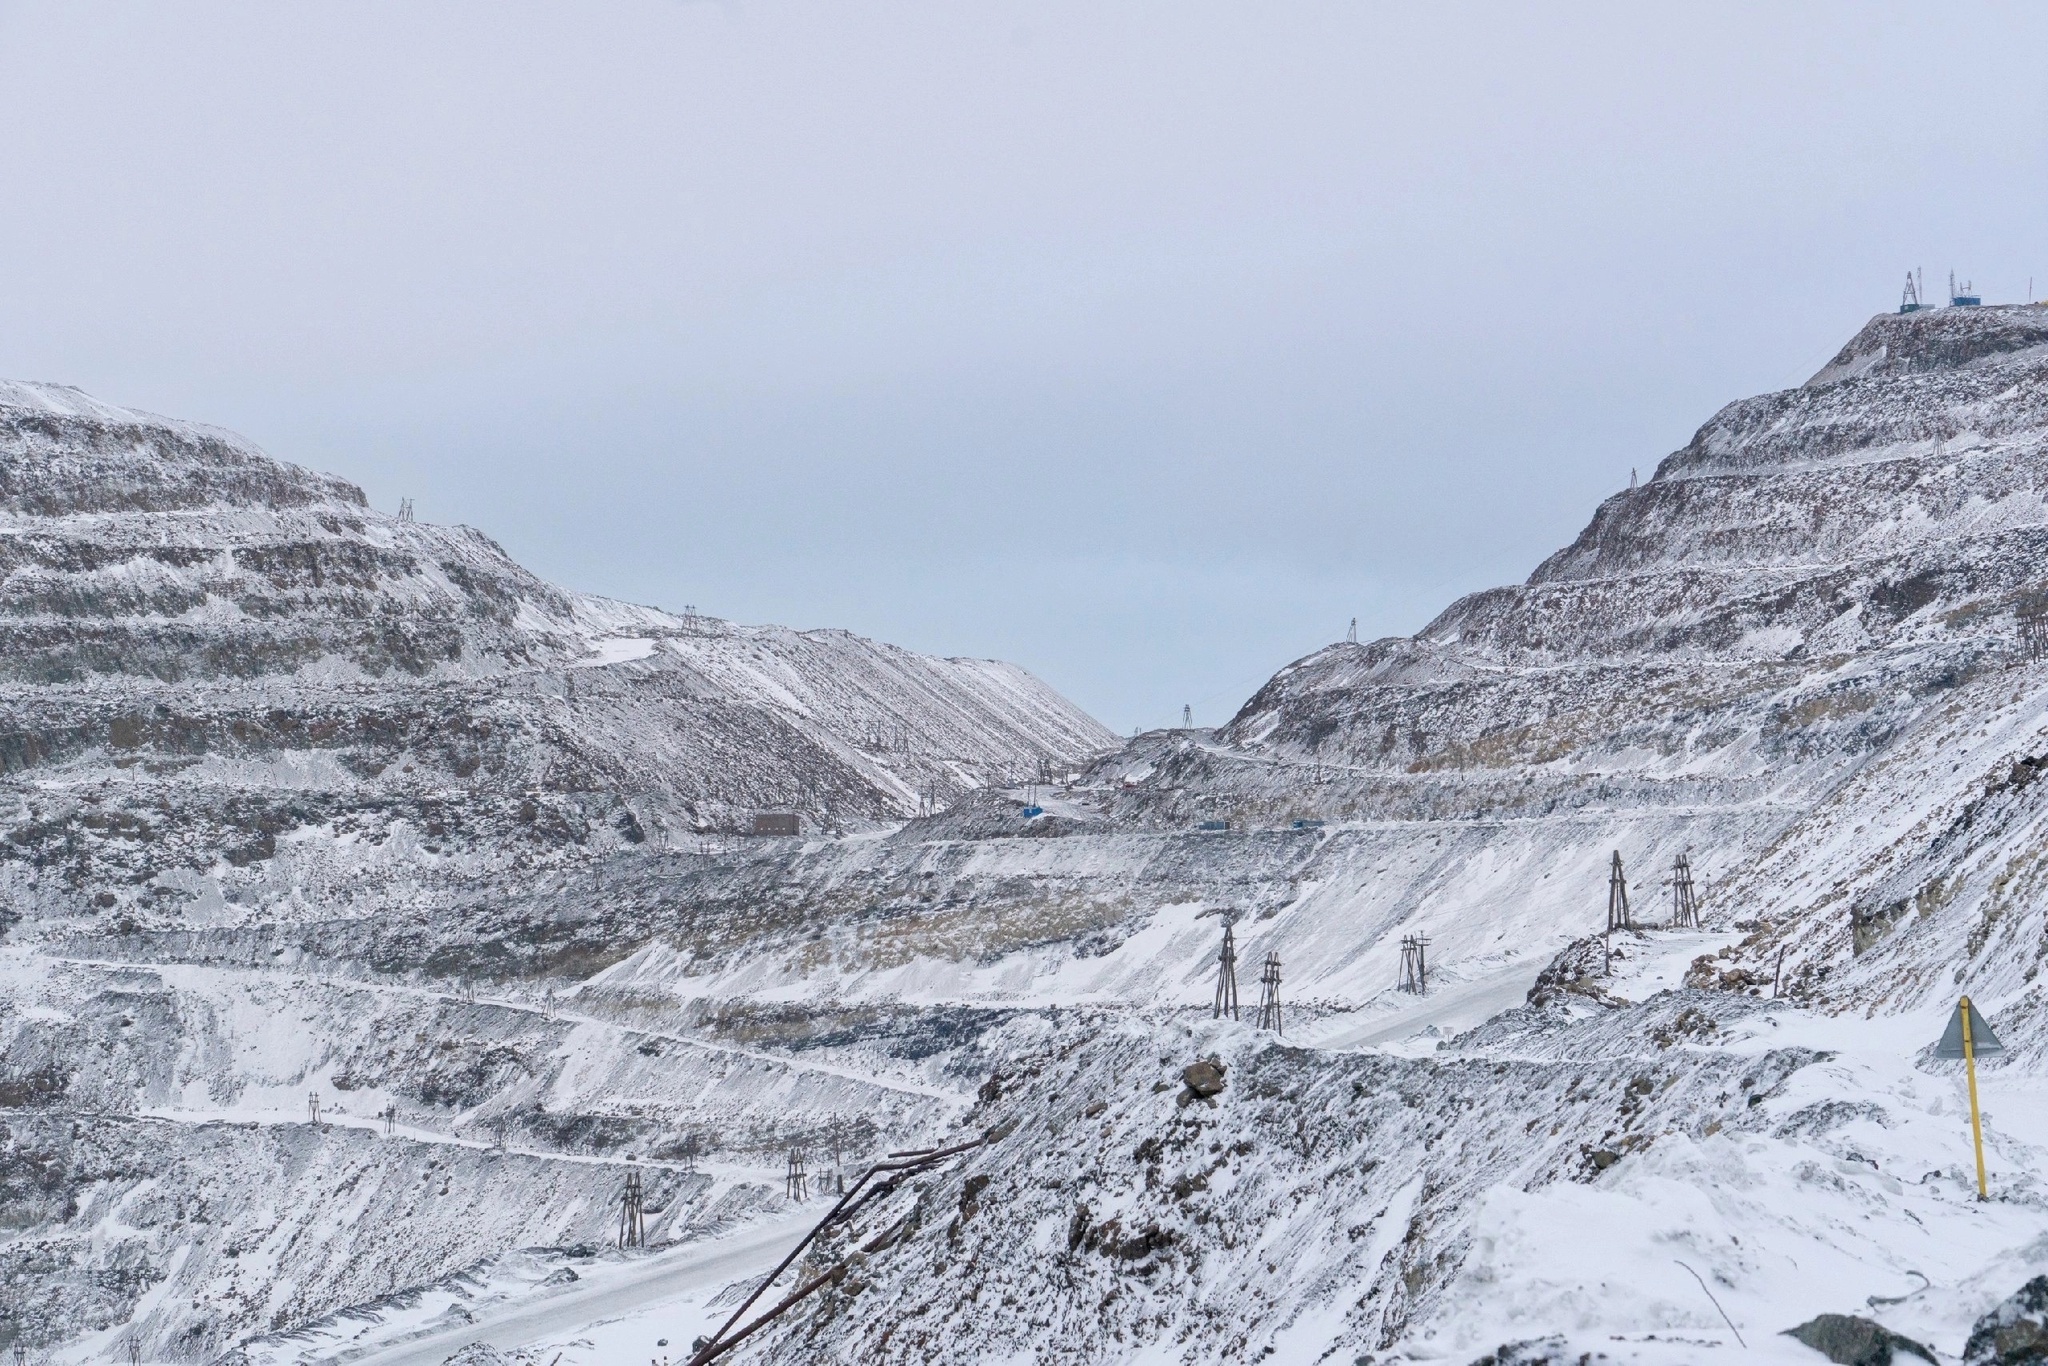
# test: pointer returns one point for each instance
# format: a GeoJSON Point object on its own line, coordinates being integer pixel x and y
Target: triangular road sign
{"type": "Point", "coordinates": [1982, 1040]}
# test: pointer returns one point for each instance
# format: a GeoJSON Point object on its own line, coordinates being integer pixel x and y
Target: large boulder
{"type": "Point", "coordinates": [2015, 1332]}
{"type": "Point", "coordinates": [1848, 1340]}
{"type": "Point", "coordinates": [1204, 1078]}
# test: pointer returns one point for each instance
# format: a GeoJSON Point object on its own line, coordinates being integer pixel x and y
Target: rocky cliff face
{"type": "Point", "coordinates": [1802, 576]}
{"type": "Point", "coordinates": [141, 548]}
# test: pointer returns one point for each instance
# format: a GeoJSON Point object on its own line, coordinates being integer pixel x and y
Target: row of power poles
{"type": "Point", "coordinates": [1268, 1016]}
{"type": "Point", "coordinates": [1414, 977]}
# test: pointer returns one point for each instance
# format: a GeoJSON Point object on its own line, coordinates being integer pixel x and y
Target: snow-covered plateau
{"type": "Point", "coordinates": [373, 909]}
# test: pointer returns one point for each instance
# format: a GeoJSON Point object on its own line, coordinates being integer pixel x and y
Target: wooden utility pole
{"type": "Point", "coordinates": [836, 1134]}
{"type": "Point", "coordinates": [1226, 976]}
{"type": "Point", "coordinates": [1685, 902]}
{"type": "Point", "coordinates": [1617, 897]}
{"type": "Point", "coordinates": [796, 1184]}
{"type": "Point", "coordinates": [1415, 964]}
{"type": "Point", "coordinates": [632, 1221]}
{"type": "Point", "coordinates": [1269, 995]}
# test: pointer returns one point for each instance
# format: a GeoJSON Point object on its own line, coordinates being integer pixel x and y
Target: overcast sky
{"type": "Point", "coordinates": [1145, 344]}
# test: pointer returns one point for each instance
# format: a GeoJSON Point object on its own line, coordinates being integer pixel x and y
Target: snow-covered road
{"type": "Point", "coordinates": [664, 1296]}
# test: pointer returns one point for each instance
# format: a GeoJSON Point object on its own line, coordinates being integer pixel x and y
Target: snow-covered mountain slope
{"type": "Point", "coordinates": [1815, 573]}
{"type": "Point", "coordinates": [161, 1165]}
{"type": "Point", "coordinates": [466, 876]}
{"type": "Point", "coordinates": [206, 654]}
{"type": "Point", "coordinates": [1789, 600]}
{"type": "Point", "coordinates": [1797, 652]}
{"type": "Point", "coordinates": [1610, 1186]}
{"type": "Point", "coordinates": [234, 701]}
{"type": "Point", "coordinates": [1787, 589]}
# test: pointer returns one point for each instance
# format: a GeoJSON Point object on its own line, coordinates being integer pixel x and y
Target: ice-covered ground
{"type": "Point", "coordinates": [583, 1310]}
{"type": "Point", "coordinates": [1863, 1177]}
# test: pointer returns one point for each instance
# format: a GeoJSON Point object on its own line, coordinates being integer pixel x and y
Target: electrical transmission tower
{"type": "Point", "coordinates": [796, 1184]}
{"type": "Point", "coordinates": [313, 1104]}
{"type": "Point", "coordinates": [1269, 995]}
{"type": "Point", "coordinates": [1352, 635]}
{"type": "Point", "coordinates": [1685, 902]}
{"type": "Point", "coordinates": [1226, 976]}
{"type": "Point", "coordinates": [1415, 964]}
{"type": "Point", "coordinates": [1617, 897]}
{"type": "Point", "coordinates": [632, 1224]}
{"type": "Point", "coordinates": [405, 510]}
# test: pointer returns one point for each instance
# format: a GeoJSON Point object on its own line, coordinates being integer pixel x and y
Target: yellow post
{"type": "Point", "coordinates": [1976, 1124]}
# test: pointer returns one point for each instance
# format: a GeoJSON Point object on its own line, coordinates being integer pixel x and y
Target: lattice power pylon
{"type": "Point", "coordinates": [797, 1184]}
{"type": "Point", "coordinates": [1617, 897]}
{"type": "Point", "coordinates": [1269, 995]}
{"type": "Point", "coordinates": [632, 1212]}
{"type": "Point", "coordinates": [1685, 902]}
{"type": "Point", "coordinates": [1226, 976]}
{"type": "Point", "coordinates": [1415, 964]}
